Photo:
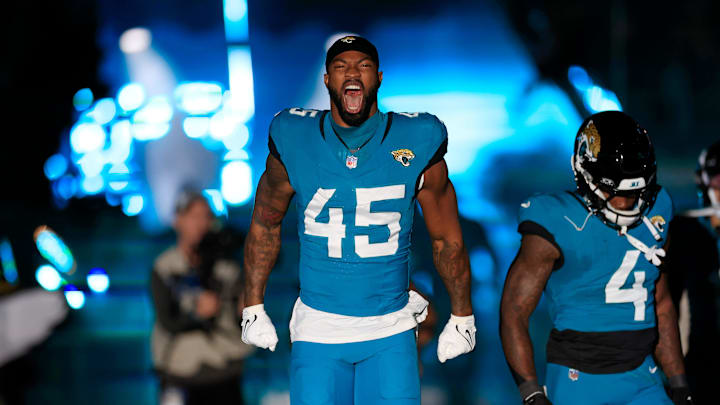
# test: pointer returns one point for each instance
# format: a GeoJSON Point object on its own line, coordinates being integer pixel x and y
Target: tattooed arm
{"type": "Point", "coordinates": [439, 207]}
{"type": "Point", "coordinates": [667, 351]}
{"type": "Point", "coordinates": [524, 285]}
{"type": "Point", "coordinates": [262, 245]}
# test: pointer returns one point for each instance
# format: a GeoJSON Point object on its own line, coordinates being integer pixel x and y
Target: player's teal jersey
{"type": "Point", "coordinates": [355, 216]}
{"type": "Point", "coordinates": [602, 283]}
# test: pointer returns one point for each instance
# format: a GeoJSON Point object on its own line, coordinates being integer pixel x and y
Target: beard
{"type": "Point", "coordinates": [356, 119]}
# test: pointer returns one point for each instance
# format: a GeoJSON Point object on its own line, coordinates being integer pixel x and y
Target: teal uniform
{"type": "Point", "coordinates": [601, 299]}
{"type": "Point", "coordinates": [355, 213]}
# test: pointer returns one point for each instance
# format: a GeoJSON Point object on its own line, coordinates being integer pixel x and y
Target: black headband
{"type": "Point", "coordinates": [352, 43]}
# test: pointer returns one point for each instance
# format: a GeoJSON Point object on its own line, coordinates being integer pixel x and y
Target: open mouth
{"type": "Point", "coordinates": [353, 98]}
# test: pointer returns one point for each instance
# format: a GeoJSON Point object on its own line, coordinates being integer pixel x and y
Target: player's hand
{"type": "Point", "coordinates": [538, 399]}
{"type": "Point", "coordinates": [419, 306]}
{"type": "Point", "coordinates": [257, 328]}
{"type": "Point", "coordinates": [681, 396]}
{"type": "Point", "coordinates": [207, 304]}
{"type": "Point", "coordinates": [533, 394]}
{"type": "Point", "coordinates": [458, 337]}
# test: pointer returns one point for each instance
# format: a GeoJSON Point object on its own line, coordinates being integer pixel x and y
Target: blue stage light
{"type": "Point", "coordinates": [135, 40]}
{"type": "Point", "coordinates": [579, 78]}
{"type": "Point", "coordinates": [133, 204]}
{"type": "Point", "coordinates": [104, 111]}
{"type": "Point", "coordinates": [87, 137]}
{"type": "Point", "coordinates": [196, 127]}
{"type": "Point", "coordinates": [48, 277]}
{"type": "Point", "coordinates": [199, 98]}
{"type": "Point", "coordinates": [52, 248]}
{"type": "Point", "coordinates": [55, 166]}
{"type": "Point", "coordinates": [217, 205]}
{"type": "Point", "coordinates": [92, 185]}
{"type": "Point", "coordinates": [98, 280]}
{"type": "Point", "coordinates": [118, 176]}
{"type": "Point", "coordinates": [83, 99]}
{"type": "Point", "coordinates": [113, 199]}
{"type": "Point", "coordinates": [236, 154]}
{"type": "Point", "coordinates": [74, 297]}
{"type": "Point", "coordinates": [222, 124]}
{"type": "Point", "coordinates": [131, 97]}
{"type": "Point", "coordinates": [121, 146]}
{"type": "Point", "coordinates": [236, 182]}
{"type": "Point", "coordinates": [8, 262]}
{"type": "Point", "coordinates": [150, 131]}
{"type": "Point", "coordinates": [158, 110]}
{"type": "Point", "coordinates": [236, 20]}
{"type": "Point", "coordinates": [211, 143]}
{"type": "Point", "coordinates": [91, 164]}
{"type": "Point", "coordinates": [241, 101]}
{"type": "Point", "coordinates": [238, 138]}
{"type": "Point", "coordinates": [598, 99]}
{"type": "Point", "coordinates": [66, 187]}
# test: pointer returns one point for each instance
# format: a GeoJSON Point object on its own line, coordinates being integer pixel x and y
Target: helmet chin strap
{"type": "Point", "coordinates": [653, 253]}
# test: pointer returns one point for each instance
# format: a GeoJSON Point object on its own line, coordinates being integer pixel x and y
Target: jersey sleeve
{"type": "Point", "coordinates": [664, 206]}
{"type": "Point", "coordinates": [276, 135]}
{"type": "Point", "coordinates": [535, 218]}
{"type": "Point", "coordinates": [438, 140]}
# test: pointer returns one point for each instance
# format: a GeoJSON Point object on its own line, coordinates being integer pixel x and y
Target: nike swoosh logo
{"type": "Point", "coordinates": [415, 314]}
{"type": "Point", "coordinates": [653, 369]}
{"type": "Point", "coordinates": [469, 338]}
{"type": "Point", "coordinates": [526, 204]}
{"type": "Point", "coordinates": [247, 324]}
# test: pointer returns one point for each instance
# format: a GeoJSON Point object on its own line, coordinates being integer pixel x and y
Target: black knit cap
{"type": "Point", "coordinates": [352, 43]}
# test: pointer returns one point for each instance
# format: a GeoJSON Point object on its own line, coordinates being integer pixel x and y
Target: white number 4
{"type": "Point", "coordinates": [637, 294]}
{"type": "Point", "coordinates": [334, 229]}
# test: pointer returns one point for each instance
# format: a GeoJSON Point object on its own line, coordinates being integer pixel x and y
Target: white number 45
{"type": "Point", "coordinates": [334, 229]}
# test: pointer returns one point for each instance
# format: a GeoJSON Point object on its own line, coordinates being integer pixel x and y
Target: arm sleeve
{"type": "Point", "coordinates": [167, 309]}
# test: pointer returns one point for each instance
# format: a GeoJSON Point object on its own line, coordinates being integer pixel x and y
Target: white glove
{"type": "Point", "coordinates": [458, 337]}
{"type": "Point", "coordinates": [257, 328]}
{"type": "Point", "coordinates": [419, 306]}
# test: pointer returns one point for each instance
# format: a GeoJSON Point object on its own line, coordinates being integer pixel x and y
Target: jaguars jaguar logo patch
{"type": "Point", "coordinates": [404, 156]}
{"type": "Point", "coordinates": [592, 136]}
{"type": "Point", "coordinates": [658, 222]}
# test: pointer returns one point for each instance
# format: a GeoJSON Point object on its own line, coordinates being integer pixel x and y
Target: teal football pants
{"type": "Point", "coordinates": [382, 371]}
{"type": "Point", "coordinates": [641, 386]}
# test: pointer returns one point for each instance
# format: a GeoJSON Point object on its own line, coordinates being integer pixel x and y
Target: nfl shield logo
{"type": "Point", "coordinates": [351, 162]}
{"type": "Point", "coordinates": [573, 374]}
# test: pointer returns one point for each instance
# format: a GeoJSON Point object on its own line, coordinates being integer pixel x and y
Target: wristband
{"type": "Point", "coordinates": [678, 381]}
{"type": "Point", "coordinates": [530, 387]}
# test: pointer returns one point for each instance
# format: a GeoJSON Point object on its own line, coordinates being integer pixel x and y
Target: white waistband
{"type": "Point", "coordinates": [311, 325]}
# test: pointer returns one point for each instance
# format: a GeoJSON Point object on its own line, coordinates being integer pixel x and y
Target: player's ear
{"type": "Point", "coordinates": [379, 78]}
{"type": "Point", "coordinates": [326, 79]}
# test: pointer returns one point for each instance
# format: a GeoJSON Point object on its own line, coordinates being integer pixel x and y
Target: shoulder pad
{"type": "Point", "coordinates": [291, 120]}
{"type": "Point", "coordinates": [663, 206]}
{"type": "Point", "coordinates": [546, 208]}
{"type": "Point", "coordinates": [425, 124]}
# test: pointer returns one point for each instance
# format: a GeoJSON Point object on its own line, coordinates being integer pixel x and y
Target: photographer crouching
{"type": "Point", "coordinates": [196, 340]}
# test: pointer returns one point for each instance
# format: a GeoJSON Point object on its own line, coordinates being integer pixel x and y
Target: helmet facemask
{"type": "Point", "coordinates": [599, 179]}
